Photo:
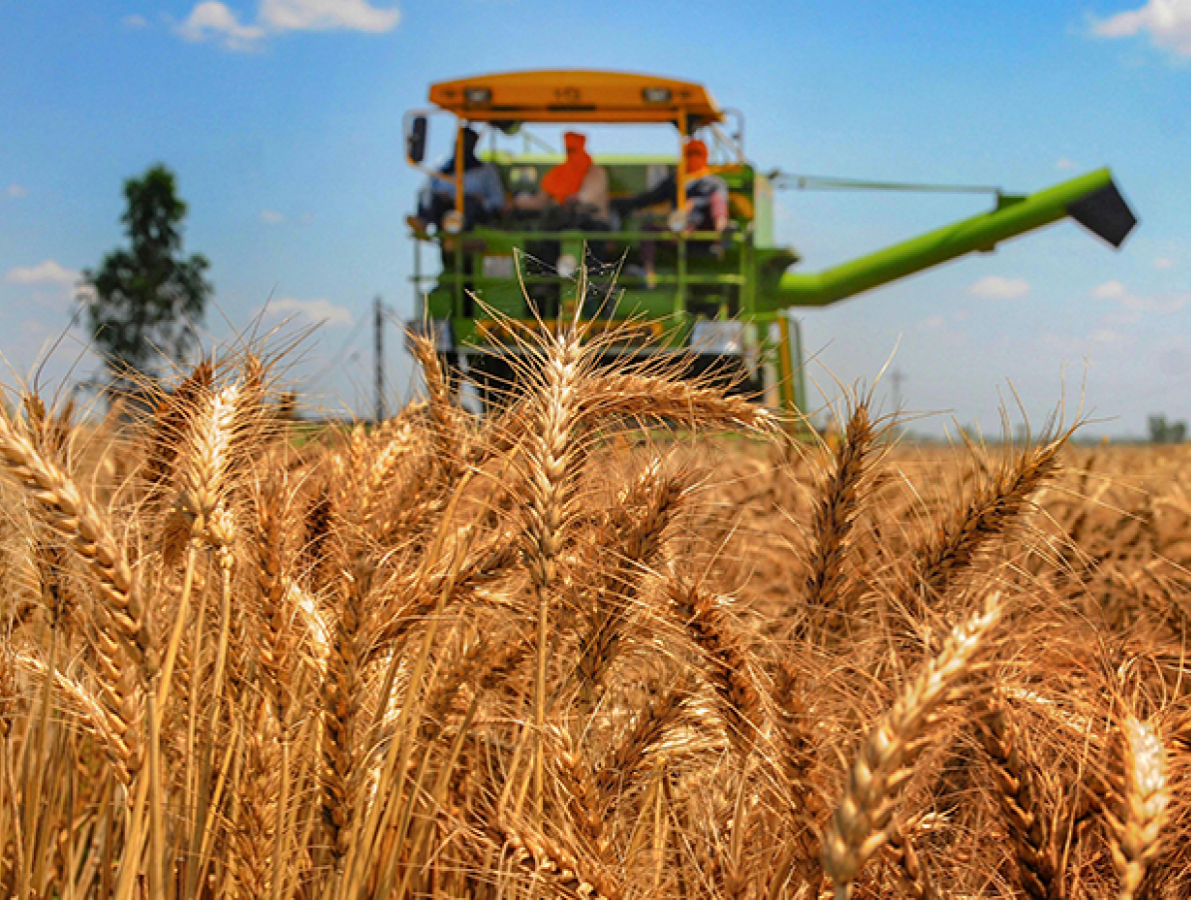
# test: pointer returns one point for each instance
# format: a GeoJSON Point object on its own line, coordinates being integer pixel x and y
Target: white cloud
{"type": "Point", "coordinates": [272, 216]}
{"type": "Point", "coordinates": [1168, 23]}
{"type": "Point", "coordinates": [998, 287]}
{"type": "Point", "coordinates": [320, 311]}
{"type": "Point", "coordinates": [1164, 262]}
{"type": "Point", "coordinates": [1110, 290]}
{"type": "Point", "coordinates": [1115, 290]}
{"type": "Point", "coordinates": [211, 20]}
{"type": "Point", "coordinates": [17, 191]}
{"type": "Point", "coordinates": [325, 15]}
{"type": "Point", "coordinates": [49, 272]}
{"type": "Point", "coordinates": [1104, 336]}
{"type": "Point", "coordinates": [1100, 346]}
{"type": "Point", "coordinates": [214, 21]}
{"type": "Point", "coordinates": [135, 21]}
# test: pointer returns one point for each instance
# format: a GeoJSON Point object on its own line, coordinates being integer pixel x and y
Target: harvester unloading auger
{"type": "Point", "coordinates": [716, 294]}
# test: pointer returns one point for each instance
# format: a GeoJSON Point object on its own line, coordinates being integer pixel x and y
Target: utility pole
{"type": "Point", "coordinates": [378, 326]}
{"type": "Point", "coordinates": [897, 378]}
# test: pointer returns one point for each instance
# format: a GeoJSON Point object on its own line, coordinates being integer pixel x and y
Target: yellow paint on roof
{"type": "Point", "coordinates": [575, 96]}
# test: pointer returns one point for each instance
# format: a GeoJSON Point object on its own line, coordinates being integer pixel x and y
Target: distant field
{"type": "Point", "coordinates": [557, 653]}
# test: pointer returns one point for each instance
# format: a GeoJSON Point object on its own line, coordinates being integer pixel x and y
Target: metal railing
{"type": "Point", "coordinates": [463, 267]}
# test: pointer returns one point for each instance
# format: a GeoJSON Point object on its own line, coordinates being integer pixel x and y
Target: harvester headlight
{"type": "Point", "coordinates": [567, 265]}
{"type": "Point", "coordinates": [718, 337]}
{"type": "Point", "coordinates": [656, 95]}
{"type": "Point", "coordinates": [478, 95]}
{"type": "Point", "coordinates": [676, 221]}
{"type": "Point", "coordinates": [452, 222]}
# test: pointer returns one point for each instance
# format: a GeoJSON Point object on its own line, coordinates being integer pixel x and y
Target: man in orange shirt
{"type": "Point", "coordinates": [563, 181]}
{"type": "Point", "coordinates": [576, 184]}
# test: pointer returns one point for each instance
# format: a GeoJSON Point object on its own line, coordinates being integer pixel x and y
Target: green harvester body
{"type": "Point", "coordinates": [718, 301]}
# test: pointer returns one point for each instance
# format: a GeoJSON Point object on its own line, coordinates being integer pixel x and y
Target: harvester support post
{"type": "Point", "coordinates": [785, 368]}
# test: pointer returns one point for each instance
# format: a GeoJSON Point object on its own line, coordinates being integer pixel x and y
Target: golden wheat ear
{"type": "Point", "coordinates": [841, 494]}
{"type": "Point", "coordinates": [169, 426]}
{"type": "Point", "coordinates": [724, 661]}
{"type": "Point", "coordinates": [1018, 796]}
{"type": "Point", "coordinates": [60, 504]}
{"type": "Point", "coordinates": [910, 875]}
{"type": "Point", "coordinates": [1144, 795]}
{"type": "Point", "coordinates": [448, 434]}
{"type": "Point", "coordinates": [953, 548]}
{"type": "Point", "coordinates": [632, 540]}
{"type": "Point", "coordinates": [861, 822]}
{"type": "Point", "coordinates": [552, 458]}
{"type": "Point", "coordinates": [628, 760]}
{"type": "Point", "coordinates": [567, 875]}
{"type": "Point", "coordinates": [343, 692]}
{"type": "Point", "coordinates": [646, 398]}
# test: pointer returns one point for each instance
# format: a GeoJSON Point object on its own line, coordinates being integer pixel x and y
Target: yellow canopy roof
{"type": "Point", "coordinates": [575, 96]}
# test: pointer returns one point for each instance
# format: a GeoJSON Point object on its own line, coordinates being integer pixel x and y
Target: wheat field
{"type": "Point", "coordinates": [623, 639]}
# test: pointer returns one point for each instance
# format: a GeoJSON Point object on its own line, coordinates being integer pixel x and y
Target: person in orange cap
{"type": "Point", "coordinates": [575, 184]}
{"type": "Point", "coordinates": [706, 193]}
{"type": "Point", "coordinates": [563, 181]}
{"type": "Point", "coordinates": [706, 202]}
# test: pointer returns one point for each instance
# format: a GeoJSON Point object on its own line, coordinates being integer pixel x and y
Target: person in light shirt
{"type": "Point", "coordinates": [483, 193]}
{"type": "Point", "coordinates": [706, 206]}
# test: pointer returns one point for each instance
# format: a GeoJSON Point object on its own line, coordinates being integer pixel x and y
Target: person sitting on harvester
{"type": "Point", "coordinates": [706, 193]}
{"type": "Point", "coordinates": [706, 202]}
{"type": "Point", "coordinates": [573, 193]}
{"type": "Point", "coordinates": [483, 193]}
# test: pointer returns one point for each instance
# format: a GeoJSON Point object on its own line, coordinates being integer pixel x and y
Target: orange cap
{"type": "Point", "coordinates": [573, 141]}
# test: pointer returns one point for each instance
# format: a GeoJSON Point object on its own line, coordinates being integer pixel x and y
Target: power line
{"type": "Point", "coordinates": [341, 353]}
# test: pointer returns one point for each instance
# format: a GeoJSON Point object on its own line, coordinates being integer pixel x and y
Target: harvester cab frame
{"type": "Point", "coordinates": [718, 301]}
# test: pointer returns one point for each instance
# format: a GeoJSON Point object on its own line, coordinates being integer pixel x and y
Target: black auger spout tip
{"type": "Point", "coordinates": [1104, 213]}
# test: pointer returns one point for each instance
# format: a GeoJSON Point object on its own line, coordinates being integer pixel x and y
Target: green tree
{"type": "Point", "coordinates": [143, 299]}
{"type": "Point", "coordinates": [1164, 432]}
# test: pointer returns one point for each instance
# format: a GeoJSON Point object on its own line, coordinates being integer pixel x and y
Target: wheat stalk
{"type": "Point", "coordinates": [860, 825]}
{"type": "Point", "coordinates": [170, 427]}
{"type": "Point", "coordinates": [726, 663]}
{"type": "Point", "coordinates": [204, 476]}
{"type": "Point", "coordinates": [633, 541]}
{"type": "Point", "coordinates": [838, 503]}
{"type": "Point", "coordinates": [550, 477]}
{"type": "Point", "coordinates": [954, 546]}
{"type": "Point", "coordinates": [1021, 804]}
{"type": "Point", "coordinates": [1145, 796]}
{"type": "Point", "coordinates": [63, 508]}
{"type": "Point", "coordinates": [561, 870]}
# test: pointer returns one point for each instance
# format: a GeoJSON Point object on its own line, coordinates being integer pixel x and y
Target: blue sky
{"type": "Point", "coordinates": [282, 120]}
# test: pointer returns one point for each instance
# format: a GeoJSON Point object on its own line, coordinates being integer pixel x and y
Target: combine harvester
{"type": "Point", "coordinates": [719, 298]}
